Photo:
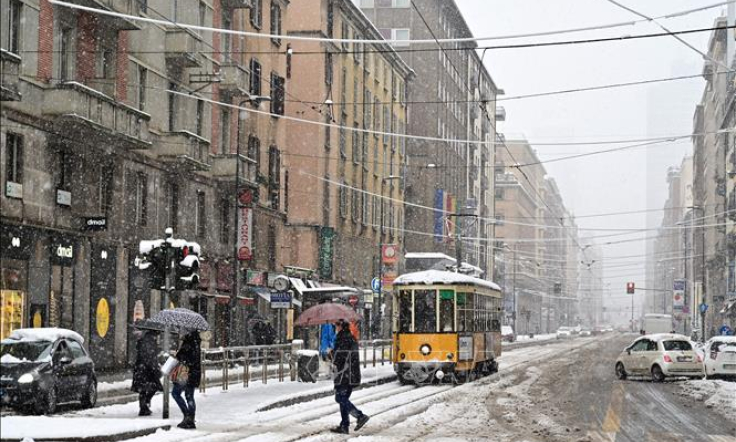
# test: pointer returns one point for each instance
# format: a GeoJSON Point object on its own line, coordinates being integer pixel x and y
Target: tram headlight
{"type": "Point", "coordinates": [425, 349]}
{"type": "Point", "coordinates": [450, 355]}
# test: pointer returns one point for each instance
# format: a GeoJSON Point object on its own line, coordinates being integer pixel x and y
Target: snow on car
{"type": "Point", "coordinates": [720, 357]}
{"type": "Point", "coordinates": [660, 356]}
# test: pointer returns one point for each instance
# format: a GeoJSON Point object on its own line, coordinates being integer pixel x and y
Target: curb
{"type": "Point", "coordinates": [106, 438]}
{"type": "Point", "coordinates": [322, 394]}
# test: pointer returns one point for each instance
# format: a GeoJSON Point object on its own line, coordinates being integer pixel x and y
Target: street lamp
{"type": "Point", "coordinates": [377, 329]}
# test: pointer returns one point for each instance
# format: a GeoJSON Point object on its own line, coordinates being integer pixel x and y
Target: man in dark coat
{"type": "Point", "coordinates": [346, 360]}
{"type": "Point", "coordinates": [189, 355]}
{"type": "Point", "coordinates": [146, 371]}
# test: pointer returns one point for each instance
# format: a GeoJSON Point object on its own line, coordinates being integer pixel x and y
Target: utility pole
{"type": "Point", "coordinates": [169, 260]}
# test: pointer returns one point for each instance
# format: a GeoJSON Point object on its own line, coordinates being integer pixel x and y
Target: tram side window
{"type": "Point", "coordinates": [468, 312]}
{"type": "Point", "coordinates": [405, 311]}
{"type": "Point", "coordinates": [461, 311]}
{"type": "Point", "coordinates": [425, 311]}
{"type": "Point", "coordinates": [447, 311]}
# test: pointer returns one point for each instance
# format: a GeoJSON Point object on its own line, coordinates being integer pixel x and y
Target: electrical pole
{"type": "Point", "coordinates": [169, 260]}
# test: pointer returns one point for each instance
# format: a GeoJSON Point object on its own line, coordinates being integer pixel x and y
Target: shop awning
{"type": "Point", "coordinates": [263, 292]}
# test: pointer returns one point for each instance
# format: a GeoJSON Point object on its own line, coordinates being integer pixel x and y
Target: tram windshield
{"type": "Point", "coordinates": [405, 311]}
{"type": "Point", "coordinates": [425, 311]}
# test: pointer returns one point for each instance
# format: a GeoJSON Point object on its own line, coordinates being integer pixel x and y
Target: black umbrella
{"type": "Point", "coordinates": [182, 318]}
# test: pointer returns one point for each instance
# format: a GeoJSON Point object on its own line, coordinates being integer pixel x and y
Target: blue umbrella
{"type": "Point", "coordinates": [182, 318]}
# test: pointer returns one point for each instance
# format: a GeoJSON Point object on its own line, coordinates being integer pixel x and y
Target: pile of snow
{"type": "Point", "coordinates": [309, 353]}
{"type": "Point", "coordinates": [432, 277]}
{"type": "Point", "coordinates": [717, 395]}
{"type": "Point", "coordinates": [43, 427]}
{"type": "Point", "coordinates": [10, 359]}
{"type": "Point", "coordinates": [49, 334]}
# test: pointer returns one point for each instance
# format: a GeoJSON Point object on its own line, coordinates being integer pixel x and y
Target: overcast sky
{"type": "Point", "coordinates": [610, 182]}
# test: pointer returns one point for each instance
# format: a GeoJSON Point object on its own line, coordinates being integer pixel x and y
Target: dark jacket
{"type": "Point", "coordinates": [146, 371]}
{"type": "Point", "coordinates": [190, 354]}
{"type": "Point", "coordinates": [346, 360]}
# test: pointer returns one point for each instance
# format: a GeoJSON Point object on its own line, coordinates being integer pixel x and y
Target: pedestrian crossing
{"type": "Point", "coordinates": [607, 436]}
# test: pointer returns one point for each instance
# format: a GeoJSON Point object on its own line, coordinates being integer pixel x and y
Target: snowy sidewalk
{"type": "Point", "coordinates": [119, 422]}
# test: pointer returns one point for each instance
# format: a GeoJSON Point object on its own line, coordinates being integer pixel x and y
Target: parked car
{"type": "Point", "coordinates": [564, 333]}
{"type": "Point", "coordinates": [507, 333]}
{"type": "Point", "coordinates": [43, 367]}
{"type": "Point", "coordinates": [585, 332]}
{"type": "Point", "coordinates": [660, 356]}
{"type": "Point", "coordinates": [720, 357]}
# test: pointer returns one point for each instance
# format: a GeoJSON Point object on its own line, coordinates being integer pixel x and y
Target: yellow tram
{"type": "Point", "coordinates": [445, 324]}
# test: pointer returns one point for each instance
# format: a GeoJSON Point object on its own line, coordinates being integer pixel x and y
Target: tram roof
{"type": "Point", "coordinates": [435, 277]}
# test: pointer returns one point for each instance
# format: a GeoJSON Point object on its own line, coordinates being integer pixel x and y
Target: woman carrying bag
{"type": "Point", "coordinates": [146, 374]}
{"type": "Point", "coordinates": [186, 376]}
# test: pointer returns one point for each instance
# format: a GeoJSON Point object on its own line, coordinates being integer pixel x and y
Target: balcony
{"type": "Point", "coordinates": [9, 73]}
{"type": "Point", "coordinates": [84, 113]}
{"type": "Point", "coordinates": [186, 149]}
{"type": "Point", "coordinates": [237, 4]}
{"type": "Point", "coordinates": [127, 7]}
{"type": "Point", "coordinates": [224, 167]}
{"type": "Point", "coordinates": [182, 48]}
{"type": "Point", "coordinates": [233, 79]}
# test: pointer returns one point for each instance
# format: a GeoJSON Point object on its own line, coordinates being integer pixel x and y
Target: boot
{"type": "Point", "coordinates": [189, 422]}
{"type": "Point", "coordinates": [183, 423]}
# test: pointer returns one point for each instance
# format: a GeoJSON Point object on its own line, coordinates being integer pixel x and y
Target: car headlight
{"type": "Point", "coordinates": [425, 349]}
{"type": "Point", "coordinates": [25, 379]}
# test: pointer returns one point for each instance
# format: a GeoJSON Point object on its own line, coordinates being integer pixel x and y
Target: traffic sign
{"type": "Point", "coordinates": [376, 285]}
{"type": "Point", "coordinates": [703, 308]}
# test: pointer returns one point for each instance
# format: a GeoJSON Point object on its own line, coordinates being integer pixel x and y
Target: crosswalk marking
{"type": "Point", "coordinates": [604, 436]}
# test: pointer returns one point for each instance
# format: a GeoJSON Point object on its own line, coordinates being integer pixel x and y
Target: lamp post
{"type": "Point", "coordinates": [377, 329]}
{"type": "Point", "coordinates": [702, 264]}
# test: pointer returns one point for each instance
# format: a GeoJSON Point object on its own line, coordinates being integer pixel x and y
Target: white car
{"type": "Point", "coordinates": [564, 333]}
{"type": "Point", "coordinates": [660, 356]}
{"type": "Point", "coordinates": [720, 357]}
{"type": "Point", "coordinates": [585, 332]}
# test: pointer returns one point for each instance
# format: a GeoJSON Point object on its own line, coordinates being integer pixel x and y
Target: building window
{"type": "Point", "coordinates": [172, 202]}
{"type": "Point", "coordinates": [225, 214]}
{"type": "Point", "coordinates": [343, 196]}
{"type": "Point", "coordinates": [356, 147]}
{"type": "Point", "coordinates": [203, 14]}
{"type": "Point", "coordinates": [255, 77]}
{"type": "Point", "coordinates": [274, 176]}
{"type": "Point", "coordinates": [172, 106]}
{"type": "Point", "coordinates": [328, 69]}
{"type": "Point", "coordinates": [199, 117]}
{"type": "Point", "coordinates": [201, 217]}
{"type": "Point", "coordinates": [105, 59]}
{"type": "Point", "coordinates": [368, 109]}
{"type": "Point", "coordinates": [142, 80]}
{"type": "Point", "coordinates": [66, 54]}
{"type": "Point", "coordinates": [328, 132]}
{"type": "Point", "coordinates": [343, 136]}
{"type": "Point", "coordinates": [326, 209]}
{"type": "Point", "coordinates": [256, 13]}
{"type": "Point", "coordinates": [14, 31]}
{"type": "Point", "coordinates": [386, 125]}
{"type": "Point", "coordinates": [141, 199]}
{"type": "Point", "coordinates": [224, 130]}
{"type": "Point", "coordinates": [277, 94]}
{"type": "Point", "coordinates": [254, 153]}
{"type": "Point", "coordinates": [226, 37]}
{"type": "Point", "coordinates": [275, 22]}
{"type": "Point", "coordinates": [345, 32]}
{"type": "Point", "coordinates": [356, 91]}
{"type": "Point", "coordinates": [14, 158]}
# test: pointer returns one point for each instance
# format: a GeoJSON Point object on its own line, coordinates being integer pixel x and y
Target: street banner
{"type": "Point", "coordinates": [245, 236]}
{"type": "Point", "coordinates": [389, 262]}
{"type": "Point", "coordinates": [678, 295]}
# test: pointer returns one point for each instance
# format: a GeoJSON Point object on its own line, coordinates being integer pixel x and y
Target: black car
{"type": "Point", "coordinates": [40, 369]}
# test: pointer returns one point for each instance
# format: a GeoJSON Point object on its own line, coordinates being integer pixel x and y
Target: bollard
{"type": "Point", "coordinates": [246, 368]}
{"type": "Point", "coordinates": [203, 376]}
{"type": "Point", "coordinates": [365, 356]}
{"type": "Point", "coordinates": [281, 365]}
{"type": "Point", "coordinates": [391, 353]}
{"type": "Point", "coordinates": [225, 380]}
{"type": "Point", "coordinates": [374, 353]}
{"type": "Point", "coordinates": [265, 366]}
{"type": "Point", "coordinates": [383, 352]}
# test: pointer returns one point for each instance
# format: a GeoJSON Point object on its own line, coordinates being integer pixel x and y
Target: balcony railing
{"type": "Point", "coordinates": [233, 78]}
{"type": "Point", "coordinates": [224, 166]}
{"type": "Point", "coordinates": [9, 73]}
{"type": "Point", "coordinates": [184, 148]}
{"type": "Point", "coordinates": [127, 7]}
{"type": "Point", "coordinates": [85, 113]}
{"type": "Point", "coordinates": [182, 47]}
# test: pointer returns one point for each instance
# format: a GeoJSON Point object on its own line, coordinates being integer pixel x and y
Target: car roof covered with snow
{"type": "Point", "coordinates": [439, 277]}
{"type": "Point", "coordinates": [49, 334]}
{"type": "Point", "coordinates": [665, 337]}
{"type": "Point", "coordinates": [722, 339]}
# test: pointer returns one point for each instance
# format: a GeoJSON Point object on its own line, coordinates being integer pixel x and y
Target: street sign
{"type": "Point", "coordinates": [280, 299]}
{"type": "Point", "coordinates": [376, 285]}
{"type": "Point", "coordinates": [703, 308]}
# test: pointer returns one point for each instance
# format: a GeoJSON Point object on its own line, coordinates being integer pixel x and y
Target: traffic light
{"type": "Point", "coordinates": [630, 288]}
{"type": "Point", "coordinates": [152, 257]}
{"type": "Point", "coordinates": [186, 256]}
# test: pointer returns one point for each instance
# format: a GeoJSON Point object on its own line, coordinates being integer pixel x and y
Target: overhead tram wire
{"type": "Point", "coordinates": [394, 41]}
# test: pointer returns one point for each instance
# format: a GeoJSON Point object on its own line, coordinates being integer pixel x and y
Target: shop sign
{"type": "Point", "coordinates": [95, 223]}
{"type": "Point", "coordinates": [103, 317]}
{"type": "Point", "coordinates": [16, 242]}
{"type": "Point", "coordinates": [353, 300]}
{"type": "Point", "coordinates": [256, 277]}
{"type": "Point", "coordinates": [389, 263]}
{"type": "Point", "coordinates": [326, 252]}
{"type": "Point", "coordinates": [280, 300]}
{"type": "Point", "coordinates": [13, 190]}
{"type": "Point", "coordinates": [247, 301]}
{"type": "Point", "coordinates": [63, 197]}
{"type": "Point", "coordinates": [368, 299]}
{"type": "Point", "coordinates": [62, 251]}
{"type": "Point", "coordinates": [390, 253]}
{"type": "Point", "coordinates": [245, 233]}
{"type": "Point", "coordinates": [678, 295]}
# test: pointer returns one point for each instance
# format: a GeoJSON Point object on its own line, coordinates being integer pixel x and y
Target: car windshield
{"type": "Point", "coordinates": [720, 345]}
{"type": "Point", "coordinates": [677, 346]}
{"type": "Point", "coordinates": [23, 351]}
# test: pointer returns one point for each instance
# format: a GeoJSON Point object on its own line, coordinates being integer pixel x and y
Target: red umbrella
{"type": "Point", "coordinates": [326, 314]}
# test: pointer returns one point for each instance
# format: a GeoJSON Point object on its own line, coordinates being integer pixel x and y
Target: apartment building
{"type": "Point", "coordinates": [99, 151]}
{"type": "Point", "coordinates": [453, 100]}
{"type": "Point", "coordinates": [346, 188]}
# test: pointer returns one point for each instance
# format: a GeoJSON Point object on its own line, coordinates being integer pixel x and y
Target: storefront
{"type": "Point", "coordinates": [16, 245]}
{"type": "Point", "coordinates": [62, 256]}
{"type": "Point", "coordinates": [102, 290]}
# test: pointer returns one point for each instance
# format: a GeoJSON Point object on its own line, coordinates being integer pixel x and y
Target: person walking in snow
{"type": "Point", "coordinates": [346, 361]}
{"type": "Point", "coordinates": [186, 378]}
{"type": "Point", "coordinates": [146, 371]}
